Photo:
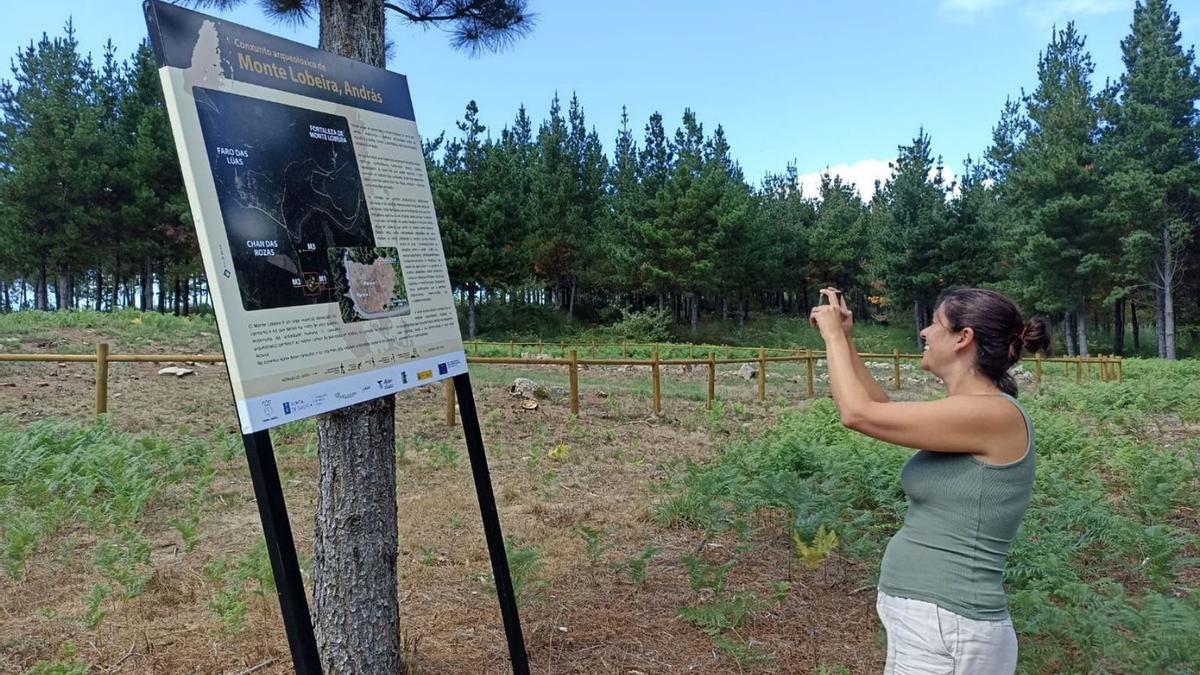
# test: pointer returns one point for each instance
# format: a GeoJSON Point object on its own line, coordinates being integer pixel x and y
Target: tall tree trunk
{"type": "Point", "coordinates": [175, 306]}
{"type": "Point", "coordinates": [1160, 322]}
{"type": "Point", "coordinates": [919, 320]}
{"type": "Point", "coordinates": [571, 300]}
{"type": "Point", "coordinates": [355, 551]}
{"type": "Point", "coordinates": [114, 294]}
{"type": "Point", "coordinates": [147, 286]}
{"type": "Point", "coordinates": [356, 610]}
{"type": "Point", "coordinates": [162, 288]}
{"type": "Point", "coordinates": [1168, 269]}
{"type": "Point", "coordinates": [1168, 322]}
{"type": "Point", "coordinates": [1119, 327]}
{"type": "Point", "coordinates": [99, 287]}
{"type": "Point", "coordinates": [1137, 329]}
{"type": "Point", "coordinates": [42, 292]}
{"type": "Point", "coordinates": [724, 308]}
{"type": "Point", "coordinates": [1081, 328]}
{"type": "Point", "coordinates": [187, 294]}
{"type": "Point", "coordinates": [695, 313]}
{"type": "Point", "coordinates": [1068, 330]}
{"type": "Point", "coordinates": [5, 303]}
{"type": "Point", "coordinates": [471, 312]}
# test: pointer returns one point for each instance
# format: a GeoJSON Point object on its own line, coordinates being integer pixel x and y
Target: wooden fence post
{"type": "Point", "coordinates": [1066, 366]}
{"type": "Point", "coordinates": [101, 378]}
{"type": "Point", "coordinates": [656, 383]}
{"type": "Point", "coordinates": [511, 349]}
{"type": "Point", "coordinates": [896, 369]}
{"type": "Point", "coordinates": [1078, 369]}
{"type": "Point", "coordinates": [539, 345]}
{"type": "Point", "coordinates": [712, 379]}
{"type": "Point", "coordinates": [477, 348]}
{"type": "Point", "coordinates": [809, 359]}
{"type": "Point", "coordinates": [1037, 369]}
{"type": "Point", "coordinates": [1120, 369]}
{"type": "Point", "coordinates": [450, 401]}
{"type": "Point", "coordinates": [762, 373]}
{"type": "Point", "coordinates": [574, 379]}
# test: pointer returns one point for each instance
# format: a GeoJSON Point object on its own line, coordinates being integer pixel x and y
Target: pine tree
{"type": "Point", "coordinates": [1153, 143]}
{"type": "Point", "coordinates": [51, 156]}
{"type": "Point", "coordinates": [624, 200]}
{"type": "Point", "coordinates": [914, 230]}
{"type": "Point", "coordinates": [1061, 257]}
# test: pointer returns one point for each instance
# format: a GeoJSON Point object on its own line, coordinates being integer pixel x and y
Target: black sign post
{"type": "Point", "coordinates": [285, 566]}
{"type": "Point", "coordinates": [491, 523]}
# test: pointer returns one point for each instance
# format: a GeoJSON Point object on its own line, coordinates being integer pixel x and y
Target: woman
{"type": "Point", "coordinates": [940, 597]}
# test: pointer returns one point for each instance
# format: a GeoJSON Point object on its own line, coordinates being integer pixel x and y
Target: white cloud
{"type": "Point", "coordinates": [967, 11]}
{"type": "Point", "coordinates": [862, 174]}
{"type": "Point", "coordinates": [1059, 12]}
{"type": "Point", "coordinates": [1042, 13]}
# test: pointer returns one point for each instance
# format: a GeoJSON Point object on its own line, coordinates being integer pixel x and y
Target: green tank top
{"type": "Point", "coordinates": [962, 516]}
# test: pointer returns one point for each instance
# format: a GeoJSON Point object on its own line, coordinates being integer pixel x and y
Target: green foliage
{"type": "Point", "coordinates": [125, 559]}
{"type": "Point", "coordinates": [442, 455]}
{"type": "Point", "coordinates": [92, 614]}
{"type": "Point", "coordinates": [69, 665]}
{"type": "Point", "coordinates": [593, 541]}
{"type": "Point", "coordinates": [636, 566]}
{"type": "Point", "coordinates": [1094, 575]}
{"type": "Point", "coordinates": [705, 576]}
{"type": "Point", "coordinates": [720, 618]}
{"type": "Point", "coordinates": [525, 572]}
{"type": "Point", "coordinates": [125, 330]}
{"type": "Point", "coordinates": [823, 543]}
{"type": "Point", "coordinates": [650, 325]}
{"type": "Point", "coordinates": [54, 474]}
{"type": "Point", "coordinates": [238, 579]}
{"type": "Point", "coordinates": [721, 614]}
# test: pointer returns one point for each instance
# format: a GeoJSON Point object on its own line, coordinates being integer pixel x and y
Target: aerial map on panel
{"type": "Point", "coordinates": [291, 197]}
{"type": "Point", "coordinates": [368, 283]}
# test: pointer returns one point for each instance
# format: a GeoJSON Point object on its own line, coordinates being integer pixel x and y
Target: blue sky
{"type": "Point", "coordinates": [823, 84]}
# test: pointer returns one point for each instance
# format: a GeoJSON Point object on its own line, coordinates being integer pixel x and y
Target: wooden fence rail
{"type": "Point", "coordinates": [1107, 367]}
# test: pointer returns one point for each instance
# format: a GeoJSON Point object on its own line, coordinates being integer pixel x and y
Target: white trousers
{"type": "Point", "coordinates": [924, 639]}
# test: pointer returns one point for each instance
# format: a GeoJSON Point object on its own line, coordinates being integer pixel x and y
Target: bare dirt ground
{"type": "Point", "coordinates": [613, 462]}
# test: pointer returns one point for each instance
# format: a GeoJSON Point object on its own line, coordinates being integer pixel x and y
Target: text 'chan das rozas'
{"type": "Point", "coordinates": [303, 76]}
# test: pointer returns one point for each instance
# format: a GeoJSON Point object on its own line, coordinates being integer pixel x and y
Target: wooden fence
{"type": "Point", "coordinates": [1108, 367]}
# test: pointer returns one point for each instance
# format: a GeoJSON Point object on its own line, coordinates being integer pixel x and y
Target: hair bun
{"type": "Point", "coordinates": [1034, 337]}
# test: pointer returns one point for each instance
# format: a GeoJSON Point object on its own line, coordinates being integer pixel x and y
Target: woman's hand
{"type": "Point", "coordinates": [833, 318]}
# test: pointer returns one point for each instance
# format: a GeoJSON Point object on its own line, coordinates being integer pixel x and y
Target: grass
{"type": "Point", "coordinates": [127, 331]}
{"type": "Point", "coordinates": [1097, 578]}
{"type": "Point", "coordinates": [57, 475]}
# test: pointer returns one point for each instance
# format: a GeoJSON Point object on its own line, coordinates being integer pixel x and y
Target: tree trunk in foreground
{"type": "Point", "coordinates": [355, 608]}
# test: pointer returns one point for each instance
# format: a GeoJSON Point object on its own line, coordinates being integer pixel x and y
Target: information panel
{"type": "Point", "coordinates": [316, 224]}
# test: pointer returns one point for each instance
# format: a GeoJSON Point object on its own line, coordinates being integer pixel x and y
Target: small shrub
{"type": "Point", "coordinates": [593, 541]}
{"type": "Point", "coordinates": [636, 566]}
